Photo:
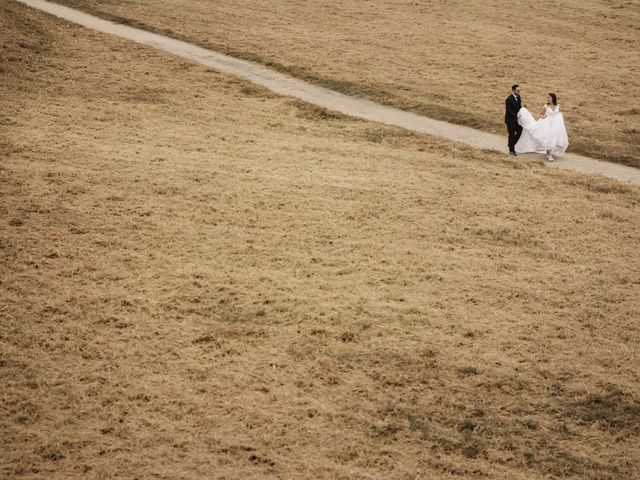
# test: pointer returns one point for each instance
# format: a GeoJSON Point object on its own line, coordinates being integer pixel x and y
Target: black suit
{"type": "Point", "coordinates": [513, 105]}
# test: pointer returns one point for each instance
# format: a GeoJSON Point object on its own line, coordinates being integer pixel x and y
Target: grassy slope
{"type": "Point", "coordinates": [454, 60]}
{"type": "Point", "coordinates": [200, 280]}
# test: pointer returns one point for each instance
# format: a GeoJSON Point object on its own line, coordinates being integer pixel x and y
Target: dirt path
{"type": "Point", "coordinates": [356, 107]}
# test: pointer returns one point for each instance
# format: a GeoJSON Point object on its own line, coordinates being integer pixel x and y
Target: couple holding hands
{"type": "Point", "coordinates": [546, 135]}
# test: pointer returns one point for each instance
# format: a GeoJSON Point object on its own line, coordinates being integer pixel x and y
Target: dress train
{"type": "Point", "coordinates": [546, 135]}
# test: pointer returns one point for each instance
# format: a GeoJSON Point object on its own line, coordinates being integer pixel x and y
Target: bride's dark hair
{"type": "Point", "coordinates": [554, 99]}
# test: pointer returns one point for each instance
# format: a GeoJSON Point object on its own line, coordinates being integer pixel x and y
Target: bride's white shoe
{"type": "Point", "coordinates": [550, 157]}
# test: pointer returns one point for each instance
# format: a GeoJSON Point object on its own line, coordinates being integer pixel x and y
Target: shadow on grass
{"type": "Point", "coordinates": [544, 442]}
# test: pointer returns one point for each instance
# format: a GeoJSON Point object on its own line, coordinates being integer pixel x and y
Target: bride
{"type": "Point", "coordinates": [547, 135]}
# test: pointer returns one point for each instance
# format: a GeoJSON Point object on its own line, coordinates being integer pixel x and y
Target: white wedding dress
{"type": "Point", "coordinates": [548, 134]}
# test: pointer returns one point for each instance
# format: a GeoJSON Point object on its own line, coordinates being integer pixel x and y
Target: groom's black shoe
{"type": "Point", "coordinates": [513, 153]}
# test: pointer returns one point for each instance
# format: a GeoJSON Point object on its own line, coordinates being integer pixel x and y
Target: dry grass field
{"type": "Point", "coordinates": [450, 59]}
{"type": "Point", "coordinates": [200, 280]}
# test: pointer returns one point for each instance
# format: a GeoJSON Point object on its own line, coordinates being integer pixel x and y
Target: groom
{"type": "Point", "coordinates": [513, 105]}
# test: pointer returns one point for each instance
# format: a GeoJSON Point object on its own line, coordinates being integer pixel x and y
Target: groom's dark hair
{"type": "Point", "coordinates": [513, 87]}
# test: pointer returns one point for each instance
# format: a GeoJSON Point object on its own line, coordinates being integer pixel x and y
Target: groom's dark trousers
{"type": "Point", "coordinates": [512, 106]}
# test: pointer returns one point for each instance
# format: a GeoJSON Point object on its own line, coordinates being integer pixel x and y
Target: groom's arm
{"type": "Point", "coordinates": [512, 107]}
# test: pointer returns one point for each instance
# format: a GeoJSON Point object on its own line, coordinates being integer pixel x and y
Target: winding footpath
{"type": "Point", "coordinates": [323, 97]}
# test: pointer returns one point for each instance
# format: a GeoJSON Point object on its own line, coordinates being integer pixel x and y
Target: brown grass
{"type": "Point", "coordinates": [199, 279]}
{"type": "Point", "coordinates": [450, 59]}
